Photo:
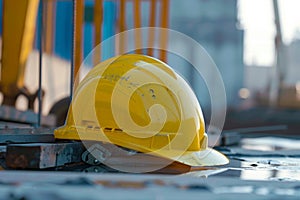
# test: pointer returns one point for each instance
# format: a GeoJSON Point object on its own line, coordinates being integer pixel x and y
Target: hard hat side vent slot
{"type": "Point", "coordinates": [113, 129]}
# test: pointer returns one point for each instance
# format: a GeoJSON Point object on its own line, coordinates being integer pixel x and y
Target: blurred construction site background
{"type": "Point", "coordinates": [255, 45]}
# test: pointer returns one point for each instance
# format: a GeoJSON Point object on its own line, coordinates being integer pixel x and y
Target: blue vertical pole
{"type": "Point", "coordinates": [40, 63]}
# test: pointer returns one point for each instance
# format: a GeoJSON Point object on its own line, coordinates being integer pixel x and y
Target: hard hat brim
{"type": "Point", "coordinates": [206, 157]}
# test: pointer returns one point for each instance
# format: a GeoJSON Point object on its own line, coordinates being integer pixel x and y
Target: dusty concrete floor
{"type": "Point", "coordinates": [260, 168]}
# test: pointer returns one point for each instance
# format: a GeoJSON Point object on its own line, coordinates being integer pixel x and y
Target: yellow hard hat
{"type": "Point", "coordinates": [140, 103]}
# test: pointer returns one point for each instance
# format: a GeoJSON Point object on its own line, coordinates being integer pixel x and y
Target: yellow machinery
{"type": "Point", "coordinates": [18, 41]}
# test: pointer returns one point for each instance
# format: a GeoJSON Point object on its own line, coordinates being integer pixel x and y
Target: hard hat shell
{"type": "Point", "coordinates": [140, 103]}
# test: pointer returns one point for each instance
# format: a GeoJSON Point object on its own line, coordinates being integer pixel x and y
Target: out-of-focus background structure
{"type": "Point", "coordinates": [240, 37]}
{"type": "Point", "coordinates": [255, 45]}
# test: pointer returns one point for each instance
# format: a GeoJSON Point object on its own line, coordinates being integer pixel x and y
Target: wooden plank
{"type": "Point", "coordinates": [25, 130]}
{"type": "Point", "coordinates": [43, 155]}
{"type": "Point", "coordinates": [26, 138]}
{"type": "Point", "coordinates": [2, 157]}
{"type": "Point", "coordinates": [49, 155]}
{"type": "Point", "coordinates": [25, 135]}
{"type": "Point", "coordinates": [130, 161]}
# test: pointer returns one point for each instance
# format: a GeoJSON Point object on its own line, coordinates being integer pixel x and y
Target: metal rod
{"type": "Point", "coordinates": [76, 57]}
{"type": "Point", "coordinates": [40, 63]}
{"type": "Point", "coordinates": [137, 24]}
{"type": "Point", "coordinates": [152, 24]}
{"type": "Point", "coordinates": [49, 16]}
{"type": "Point", "coordinates": [259, 129]}
{"type": "Point", "coordinates": [72, 52]}
{"type": "Point", "coordinates": [79, 10]}
{"type": "Point", "coordinates": [164, 24]}
{"type": "Point", "coordinates": [279, 70]}
{"type": "Point", "coordinates": [98, 20]}
{"type": "Point", "coordinates": [122, 27]}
